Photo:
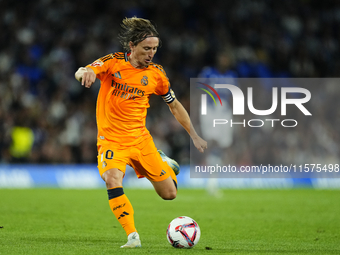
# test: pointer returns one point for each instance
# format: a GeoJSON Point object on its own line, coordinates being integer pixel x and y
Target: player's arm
{"type": "Point", "coordinates": [86, 76]}
{"type": "Point", "coordinates": [183, 118]}
{"type": "Point", "coordinates": [178, 110]}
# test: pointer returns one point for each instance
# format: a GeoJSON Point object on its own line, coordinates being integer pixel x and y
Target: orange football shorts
{"type": "Point", "coordinates": [143, 158]}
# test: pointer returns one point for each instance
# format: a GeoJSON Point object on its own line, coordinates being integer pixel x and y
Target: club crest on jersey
{"type": "Point", "coordinates": [144, 81]}
{"type": "Point", "coordinates": [97, 63]}
{"type": "Point", "coordinates": [104, 164]}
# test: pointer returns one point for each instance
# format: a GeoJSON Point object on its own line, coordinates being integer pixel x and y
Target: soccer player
{"type": "Point", "coordinates": [127, 81]}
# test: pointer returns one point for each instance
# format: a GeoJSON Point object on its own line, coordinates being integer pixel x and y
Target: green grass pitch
{"type": "Point", "coordinates": [53, 221]}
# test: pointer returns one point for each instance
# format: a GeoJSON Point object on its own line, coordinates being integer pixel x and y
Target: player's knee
{"type": "Point", "coordinates": [169, 195]}
{"type": "Point", "coordinates": [113, 178]}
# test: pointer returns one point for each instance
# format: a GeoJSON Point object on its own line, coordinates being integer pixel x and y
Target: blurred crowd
{"type": "Point", "coordinates": [47, 117]}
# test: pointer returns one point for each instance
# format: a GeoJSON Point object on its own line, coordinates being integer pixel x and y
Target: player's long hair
{"type": "Point", "coordinates": [136, 30]}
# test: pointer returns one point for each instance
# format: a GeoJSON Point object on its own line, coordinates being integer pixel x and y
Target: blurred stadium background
{"type": "Point", "coordinates": [47, 119]}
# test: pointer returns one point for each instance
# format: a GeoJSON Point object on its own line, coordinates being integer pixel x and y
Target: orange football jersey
{"type": "Point", "coordinates": [123, 98]}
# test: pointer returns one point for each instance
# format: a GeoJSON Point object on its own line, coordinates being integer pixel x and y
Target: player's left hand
{"type": "Point", "coordinates": [200, 144]}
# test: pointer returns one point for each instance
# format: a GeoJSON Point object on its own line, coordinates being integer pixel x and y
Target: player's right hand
{"type": "Point", "coordinates": [88, 78]}
{"type": "Point", "coordinates": [85, 76]}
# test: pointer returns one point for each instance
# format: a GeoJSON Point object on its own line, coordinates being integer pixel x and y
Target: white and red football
{"type": "Point", "coordinates": [183, 232]}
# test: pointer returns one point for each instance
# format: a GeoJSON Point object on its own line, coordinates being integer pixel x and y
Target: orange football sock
{"type": "Point", "coordinates": [122, 209]}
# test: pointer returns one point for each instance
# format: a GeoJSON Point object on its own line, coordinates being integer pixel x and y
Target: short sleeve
{"type": "Point", "coordinates": [102, 65]}
{"type": "Point", "coordinates": [163, 84]}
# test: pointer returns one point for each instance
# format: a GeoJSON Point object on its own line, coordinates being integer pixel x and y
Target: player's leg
{"type": "Point", "coordinates": [119, 203]}
{"type": "Point", "coordinates": [121, 206]}
{"type": "Point", "coordinates": [166, 189]}
{"type": "Point", "coordinates": [112, 167]}
{"type": "Point", "coordinates": [149, 163]}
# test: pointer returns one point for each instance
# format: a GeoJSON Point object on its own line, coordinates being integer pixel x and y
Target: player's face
{"type": "Point", "coordinates": [143, 53]}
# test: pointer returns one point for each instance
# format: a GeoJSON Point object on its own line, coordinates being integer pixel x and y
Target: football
{"type": "Point", "coordinates": [183, 232]}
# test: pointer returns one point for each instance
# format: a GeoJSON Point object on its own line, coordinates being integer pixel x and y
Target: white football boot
{"type": "Point", "coordinates": [172, 163]}
{"type": "Point", "coordinates": [133, 241]}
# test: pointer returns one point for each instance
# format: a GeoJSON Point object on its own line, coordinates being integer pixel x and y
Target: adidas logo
{"type": "Point", "coordinates": [163, 173]}
{"type": "Point", "coordinates": [117, 75]}
{"type": "Point", "coordinates": [123, 215]}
